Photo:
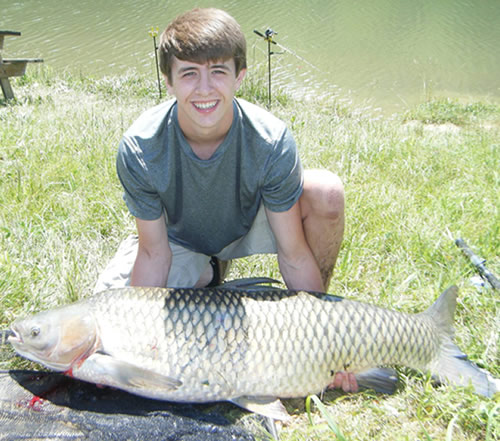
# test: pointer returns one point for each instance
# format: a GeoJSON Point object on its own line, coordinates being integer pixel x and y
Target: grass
{"type": "Point", "coordinates": [414, 182]}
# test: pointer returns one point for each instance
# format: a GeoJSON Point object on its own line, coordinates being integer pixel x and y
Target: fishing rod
{"type": "Point", "coordinates": [478, 262]}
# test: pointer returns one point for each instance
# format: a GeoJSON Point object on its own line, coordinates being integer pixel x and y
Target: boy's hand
{"type": "Point", "coordinates": [346, 381]}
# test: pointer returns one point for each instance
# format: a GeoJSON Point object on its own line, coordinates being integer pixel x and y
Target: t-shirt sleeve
{"type": "Point", "coordinates": [283, 175]}
{"type": "Point", "coordinates": [139, 195]}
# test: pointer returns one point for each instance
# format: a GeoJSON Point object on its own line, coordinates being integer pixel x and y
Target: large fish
{"type": "Point", "coordinates": [250, 348]}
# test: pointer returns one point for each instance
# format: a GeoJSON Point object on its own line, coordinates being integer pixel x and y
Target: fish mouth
{"type": "Point", "coordinates": [13, 336]}
{"type": "Point", "coordinates": [6, 335]}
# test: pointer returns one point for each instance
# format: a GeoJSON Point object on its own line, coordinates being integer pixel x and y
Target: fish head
{"type": "Point", "coordinates": [56, 338]}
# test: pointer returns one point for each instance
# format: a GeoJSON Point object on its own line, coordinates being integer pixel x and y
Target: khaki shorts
{"type": "Point", "coordinates": [187, 266]}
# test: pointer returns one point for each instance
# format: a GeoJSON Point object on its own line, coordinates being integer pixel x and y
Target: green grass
{"type": "Point", "coordinates": [414, 183]}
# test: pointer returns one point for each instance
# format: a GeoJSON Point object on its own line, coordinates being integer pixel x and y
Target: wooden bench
{"type": "Point", "coordinates": [12, 67]}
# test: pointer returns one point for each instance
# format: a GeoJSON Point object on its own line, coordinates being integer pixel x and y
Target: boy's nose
{"type": "Point", "coordinates": [205, 83]}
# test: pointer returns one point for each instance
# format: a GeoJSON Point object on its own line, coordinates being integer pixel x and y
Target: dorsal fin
{"type": "Point", "coordinates": [442, 311]}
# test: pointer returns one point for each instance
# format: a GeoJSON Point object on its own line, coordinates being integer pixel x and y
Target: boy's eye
{"type": "Point", "coordinates": [219, 70]}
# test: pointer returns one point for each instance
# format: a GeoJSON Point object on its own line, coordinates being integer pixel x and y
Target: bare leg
{"type": "Point", "coordinates": [322, 207]}
{"type": "Point", "coordinates": [205, 278]}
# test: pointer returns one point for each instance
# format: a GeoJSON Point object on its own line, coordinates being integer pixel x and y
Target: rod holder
{"type": "Point", "coordinates": [268, 36]}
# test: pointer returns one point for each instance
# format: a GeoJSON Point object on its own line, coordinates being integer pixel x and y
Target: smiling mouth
{"type": "Point", "coordinates": [206, 105]}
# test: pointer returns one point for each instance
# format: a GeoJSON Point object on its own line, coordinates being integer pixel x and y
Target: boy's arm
{"type": "Point", "coordinates": [300, 269]}
{"type": "Point", "coordinates": [154, 255]}
{"type": "Point", "coordinates": [297, 264]}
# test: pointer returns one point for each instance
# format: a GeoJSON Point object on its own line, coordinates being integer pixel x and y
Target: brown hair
{"type": "Point", "coordinates": [202, 35]}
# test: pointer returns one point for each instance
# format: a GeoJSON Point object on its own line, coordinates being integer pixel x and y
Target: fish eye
{"type": "Point", "coordinates": [35, 331]}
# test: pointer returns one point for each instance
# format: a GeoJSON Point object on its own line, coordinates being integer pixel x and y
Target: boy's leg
{"type": "Point", "coordinates": [259, 240]}
{"type": "Point", "coordinates": [116, 274]}
{"type": "Point", "coordinates": [322, 207]}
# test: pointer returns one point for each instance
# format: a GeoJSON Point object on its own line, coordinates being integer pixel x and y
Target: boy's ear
{"type": "Point", "coordinates": [240, 76]}
{"type": "Point", "coordinates": [169, 86]}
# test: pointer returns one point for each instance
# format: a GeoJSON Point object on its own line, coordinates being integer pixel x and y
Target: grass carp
{"type": "Point", "coordinates": [248, 347]}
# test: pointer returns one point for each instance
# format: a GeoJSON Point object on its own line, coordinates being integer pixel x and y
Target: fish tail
{"type": "Point", "coordinates": [451, 364]}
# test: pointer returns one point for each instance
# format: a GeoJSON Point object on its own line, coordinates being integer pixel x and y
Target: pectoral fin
{"type": "Point", "coordinates": [270, 407]}
{"type": "Point", "coordinates": [381, 380]}
{"type": "Point", "coordinates": [121, 374]}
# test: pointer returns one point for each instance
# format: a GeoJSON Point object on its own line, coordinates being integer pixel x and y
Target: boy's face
{"type": "Point", "coordinates": [204, 95]}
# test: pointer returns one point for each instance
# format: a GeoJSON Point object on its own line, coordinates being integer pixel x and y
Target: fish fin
{"type": "Point", "coordinates": [442, 311]}
{"type": "Point", "coordinates": [249, 283]}
{"type": "Point", "coordinates": [125, 375]}
{"type": "Point", "coordinates": [332, 297]}
{"type": "Point", "coordinates": [270, 407]}
{"type": "Point", "coordinates": [381, 380]}
{"type": "Point", "coordinates": [451, 364]}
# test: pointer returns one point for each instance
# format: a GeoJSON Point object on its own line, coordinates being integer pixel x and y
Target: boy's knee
{"type": "Point", "coordinates": [323, 194]}
{"type": "Point", "coordinates": [334, 197]}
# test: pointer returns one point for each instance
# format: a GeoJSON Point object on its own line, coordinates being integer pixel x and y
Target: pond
{"type": "Point", "coordinates": [387, 54]}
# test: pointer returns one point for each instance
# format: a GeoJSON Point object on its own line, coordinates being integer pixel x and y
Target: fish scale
{"type": "Point", "coordinates": [215, 337]}
{"type": "Point", "coordinates": [197, 345]}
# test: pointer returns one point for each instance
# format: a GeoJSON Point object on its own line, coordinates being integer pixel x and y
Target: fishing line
{"type": "Point", "coordinates": [298, 56]}
{"type": "Point", "coordinates": [268, 36]}
{"type": "Point", "coordinates": [287, 49]}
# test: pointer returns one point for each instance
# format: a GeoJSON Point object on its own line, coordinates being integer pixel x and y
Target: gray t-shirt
{"type": "Point", "coordinates": [208, 203]}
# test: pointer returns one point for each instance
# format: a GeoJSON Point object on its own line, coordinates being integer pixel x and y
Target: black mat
{"type": "Point", "coordinates": [74, 410]}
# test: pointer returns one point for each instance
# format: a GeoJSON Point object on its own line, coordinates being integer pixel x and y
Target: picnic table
{"type": "Point", "coordinates": [12, 67]}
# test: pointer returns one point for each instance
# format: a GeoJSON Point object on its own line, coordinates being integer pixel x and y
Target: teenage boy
{"type": "Point", "coordinates": [210, 178]}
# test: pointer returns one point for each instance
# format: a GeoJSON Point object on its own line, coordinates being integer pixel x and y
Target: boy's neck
{"type": "Point", "coordinates": [204, 149]}
{"type": "Point", "coordinates": [204, 141]}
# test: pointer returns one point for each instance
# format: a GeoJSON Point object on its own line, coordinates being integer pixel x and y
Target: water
{"type": "Point", "coordinates": [388, 54]}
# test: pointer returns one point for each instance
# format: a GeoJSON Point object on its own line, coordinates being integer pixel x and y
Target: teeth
{"type": "Point", "coordinates": [205, 106]}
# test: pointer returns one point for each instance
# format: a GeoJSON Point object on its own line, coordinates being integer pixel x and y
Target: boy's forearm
{"type": "Point", "coordinates": [151, 269]}
{"type": "Point", "coordinates": [302, 273]}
